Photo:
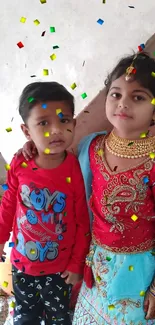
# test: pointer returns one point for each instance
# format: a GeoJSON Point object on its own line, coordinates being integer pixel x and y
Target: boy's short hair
{"type": "Point", "coordinates": [42, 92]}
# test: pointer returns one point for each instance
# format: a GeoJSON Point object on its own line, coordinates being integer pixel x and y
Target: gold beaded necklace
{"type": "Point", "coordinates": [125, 148]}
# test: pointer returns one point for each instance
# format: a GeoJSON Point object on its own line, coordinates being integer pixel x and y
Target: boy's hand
{"type": "Point", "coordinates": [71, 278]}
{"type": "Point", "coordinates": [149, 306]}
{"type": "Point", "coordinates": [2, 253]}
{"type": "Point", "coordinates": [29, 150]}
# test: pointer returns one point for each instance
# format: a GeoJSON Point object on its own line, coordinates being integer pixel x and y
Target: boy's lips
{"type": "Point", "coordinates": [56, 142]}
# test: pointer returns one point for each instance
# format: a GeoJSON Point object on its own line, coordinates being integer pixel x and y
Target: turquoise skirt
{"type": "Point", "coordinates": [117, 296]}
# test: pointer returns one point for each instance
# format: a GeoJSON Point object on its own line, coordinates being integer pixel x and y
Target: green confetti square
{"type": "Point", "coordinates": [30, 99]}
{"type": "Point", "coordinates": [52, 29]}
{"type": "Point", "coordinates": [84, 95]}
{"type": "Point", "coordinates": [154, 53]}
{"type": "Point", "coordinates": [108, 258]}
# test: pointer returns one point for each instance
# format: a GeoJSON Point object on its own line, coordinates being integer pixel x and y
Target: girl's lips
{"type": "Point", "coordinates": [122, 115]}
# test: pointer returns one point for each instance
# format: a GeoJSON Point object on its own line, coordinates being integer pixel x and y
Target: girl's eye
{"type": "Point", "coordinates": [115, 95]}
{"type": "Point", "coordinates": [43, 123]}
{"type": "Point", "coordinates": [139, 98]}
{"type": "Point", "coordinates": [65, 120]}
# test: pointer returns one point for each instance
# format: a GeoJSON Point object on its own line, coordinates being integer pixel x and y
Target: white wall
{"type": "Point", "coordinates": [80, 39]}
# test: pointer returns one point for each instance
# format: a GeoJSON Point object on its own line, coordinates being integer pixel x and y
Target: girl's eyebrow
{"type": "Point", "coordinates": [135, 91]}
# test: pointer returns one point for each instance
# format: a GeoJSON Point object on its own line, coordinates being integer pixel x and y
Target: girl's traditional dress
{"type": "Point", "coordinates": [121, 257]}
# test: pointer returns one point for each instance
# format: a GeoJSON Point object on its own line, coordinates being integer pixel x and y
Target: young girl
{"type": "Point", "coordinates": [119, 286]}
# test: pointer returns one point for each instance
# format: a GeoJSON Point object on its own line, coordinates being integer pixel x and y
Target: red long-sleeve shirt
{"type": "Point", "coordinates": [47, 211]}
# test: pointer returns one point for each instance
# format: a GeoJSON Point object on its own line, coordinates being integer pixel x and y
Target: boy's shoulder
{"type": "Point", "coordinates": [18, 161]}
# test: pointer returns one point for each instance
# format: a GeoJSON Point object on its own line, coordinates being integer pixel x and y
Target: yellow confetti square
{"type": "Point", "coordinates": [12, 305]}
{"type": "Point", "coordinates": [32, 251]}
{"type": "Point", "coordinates": [134, 217]}
{"type": "Point", "coordinates": [36, 22]}
{"type": "Point", "coordinates": [53, 57]}
{"type": "Point", "coordinates": [153, 101]}
{"type": "Point", "coordinates": [47, 151]}
{"type": "Point", "coordinates": [131, 268]}
{"type": "Point", "coordinates": [7, 167]}
{"type": "Point", "coordinates": [142, 293]}
{"type": "Point", "coordinates": [153, 74]}
{"type": "Point", "coordinates": [68, 179]}
{"type": "Point", "coordinates": [143, 135]}
{"type": "Point", "coordinates": [23, 20]}
{"type": "Point", "coordinates": [24, 164]}
{"type": "Point", "coordinates": [9, 129]}
{"type": "Point", "coordinates": [73, 86]}
{"type": "Point", "coordinates": [111, 307]}
{"type": "Point", "coordinates": [152, 155]}
{"type": "Point", "coordinates": [5, 284]}
{"type": "Point", "coordinates": [46, 134]}
{"type": "Point", "coordinates": [65, 293]}
{"type": "Point", "coordinates": [58, 111]}
{"type": "Point", "coordinates": [43, 1]}
{"type": "Point", "coordinates": [98, 279]}
{"type": "Point", "coordinates": [100, 152]}
{"type": "Point", "coordinates": [45, 72]}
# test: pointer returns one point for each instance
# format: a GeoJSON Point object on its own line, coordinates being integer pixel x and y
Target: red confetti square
{"type": "Point", "coordinates": [20, 45]}
{"type": "Point", "coordinates": [140, 48]}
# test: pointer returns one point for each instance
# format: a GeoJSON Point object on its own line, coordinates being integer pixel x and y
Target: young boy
{"type": "Point", "coordinates": [45, 207]}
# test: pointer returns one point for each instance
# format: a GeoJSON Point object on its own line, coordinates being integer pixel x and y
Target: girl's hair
{"type": "Point", "coordinates": [144, 66]}
{"type": "Point", "coordinates": [42, 92]}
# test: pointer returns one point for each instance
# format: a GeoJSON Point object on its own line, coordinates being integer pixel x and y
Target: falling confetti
{"type": "Point", "coordinates": [52, 29]}
{"type": "Point", "coordinates": [68, 179]}
{"type": "Point", "coordinates": [84, 95]}
{"type": "Point", "coordinates": [47, 151]}
{"type": "Point", "coordinates": [43, 1]}
{"type": "Point", "coordinates": [153, 74]}
{"type": "Point", "coordinates": [45, 72]}
{"type": "Point", "coordinates": [145, 180]}
{"type": "Point", "coordinates": [142, 293]}
{"type": "Point", "coordinates": [153, 101]}
{"type": "Point", "coordinates": [24, 164]}
{"type": "Point", "coordinates": [2, 259]}
{"type": "Point", "coordinates": [131, 268]}
{"type": "Point", "coordinates": [152, 155]}
{"type": "Point", "coordinates": [86, 111]}
{"type": "Point", "coordinates": [11, 244]}
{"type": "Point", "coordinates": [100, 152]}
{"type": "Point", "coordinates": [130, 143]}
{"type": "Point", "coordinates": [131, 7]}
{"type": "Point", "coordinates": [36, 22]}
{"type": "Point", "coordinates": [83, 63]}
{"type": "Point", "coordinates": [103, 1]}
{"type": "Point", "coordinates": [58, 111]}
{"type": "Point", "coordinates": [134, 217]}
{"type": "Point", "coordinates": [33, 76]}
{"type": "Point", "coordinates": [100, 21]}
{"type": "Point", "coordinates": [32, 251]}
{"type": "Point", "coordinates": [111, 307]}
{"type": "Point", "coordinates": [53, 57]}
{"type": "Point", "coordinates": [12, 305]}
{"type": "Point", "coordinates": [5, 187]}
{"type": "Point", "coordinates": [98, 279]}
{"type": "Point", "coordinates": [46, 134]}
{"type": "Point", "coordinates": [143, 135]}
{"type": "Point", "coordinates": [65, 293]}
{"type": "Point", "coordinates": [108, 258]}
{"type": "Point", "coordinates": [9, 129]}
{"type": "Point", "coordinates": [23, 20]}
{"type": "Point", "coordinates": [73, 86]}
{"type": "Point", "coordinates": [115, 168]}
{"type": "Point", "coordinates": [30, 99]}
{"type": "Point", "coordinates": [5, 284]}
{"type": "Point", "coordinates": [44, 106]}
{"type": "Point", "coordinates": [20, 45]}
{"type": "Point", "coordinates": [88, 233]}
{"type": "Point", "coordinates": [55, 47]}
{"type": "Point", "coordinates": [43, 33]}
{"type": "Point", "coordinates": [7, 167]}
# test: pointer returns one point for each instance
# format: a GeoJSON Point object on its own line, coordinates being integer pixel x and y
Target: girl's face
{"type": "Point", "coordinates": [129, 108]}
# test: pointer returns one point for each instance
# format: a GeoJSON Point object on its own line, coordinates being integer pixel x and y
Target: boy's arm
{"type": "Point", "coordinates": [83, 236]}
{"type": "Point", "coordinates": [8, 204]}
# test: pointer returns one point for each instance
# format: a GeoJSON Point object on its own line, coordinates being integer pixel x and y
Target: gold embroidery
{"type": "Point", "coordinates": [140, 248]}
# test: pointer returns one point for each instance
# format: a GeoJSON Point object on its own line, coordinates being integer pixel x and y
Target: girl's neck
{"type": "Point", "coordinates": [135, 135]}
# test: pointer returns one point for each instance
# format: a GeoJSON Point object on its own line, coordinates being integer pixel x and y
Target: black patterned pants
{"type": "Point", "coordinates": [40, 298]}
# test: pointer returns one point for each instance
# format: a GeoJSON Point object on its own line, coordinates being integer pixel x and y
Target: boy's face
{"type": "Point", "coordinates": [49, 131]}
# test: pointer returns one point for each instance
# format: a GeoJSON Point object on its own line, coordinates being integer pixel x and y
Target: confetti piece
{"type": "Point", "coordinates": [84, 95]}
{"type": "Point", "coordinates": [153, 53]}
{"type": "Point", "coordinates": [5, 187]}
{"type": "Point", "coordinates": [41, 272]}
{"type": "Point", "coordinates": [30, 99]}
{"type": "Point", "coordinates": [55, 47]}
{"type": "Point", "coordinates": [68, 179]}
{"type": "Point", "coordinates": [23, 269]}
{"type": "Point", "coordinates": [5, 284]}
{"type": "Point", "coordinates": [98, 279]}
{"type": "Point", "coordinates": [111, 307]}
{"type": "Point", "coordinates": [13, 293]}
{"type": "Point", "coordinates": [131, 268]}
{"type": "Point", "coordinates": [130, 143]}
{"type": "Point", "coordinates": [83, 63]}
{"type": "Point", "coordinates": [45, 72]}
{"type": "Point", "coordinates": [9, 129]}
{"type": "Point", "coordinates": [52, 29]}
{"type": "Point", "coordinates": [33, 76]}
{"type": "Point", "coordinates": [152, 155]}
{"type": "Point", "coordinates": [131, 7]}
{"type": "Point", "coordinates": [88, 233]}
{"type": "Point", "coordinates": [36, 22]}
{"type": "Point", "coordinates": [73, 86]}
{"type": "Point", "coordinates": [20, 45]}
{"type": "Point", "coordinates": [24, 164]}
{"type": "Point", "coordinates": [43, 1]}
{"type": "Point", "coordinates": [153, 74]}
{"type": "Point", "coordinates": [32, 251]}
{"type": "Point", "coordinates": [86, 112]}
{"type": "Point", "coordinates": [44, 106]}
{"type": "Point", "coordinates": [143, 135]}
{"type": "Point", "coordinates": [53, 57]}
{"type": "Point", "coordinates": [65, 293]}
{"type": "Point", "coordinates": [153, 101]}
{"type": "Point", "coordinates": [60, 115]}
{"type": "Point", "coordinates": [100, 21]}
{"type": "Point", "coordinates": [17, 261]}
{"type": "Point", "coordinates": [134, 217]}
{"type": "Point", "coordinates": [142, 46]}
{"type": "Point", "coordinates": [100, 152]}
{"type": "Point", "coordinates": [37, 294]}
{"type": "Point", "coordinates": [58, 111]}
{"type": "Point", "coordinates": [103, 1]}
{"type": "Point", "coordinates": [47, 151]}
{"type": "Point", "coordinates": [46, 134]}
{"type": "Point", "coordinates": [108, 258]}
{"type": "Point", "coordinates": [65, 214]}
{"type": "Point", "coordinates": [142, 293]}
{"type": "Point", "coordinates": [35, 168]}
{"type": "Point", "coordinates": [11, 244]}
{"type": "Point", "coordinates": [145, 180]}
{"type": "Point", "coordinates": [23, 20]}
{"type": "Point", "coordinates": [140, 49]}
{"type": "Point", "coordinates": [12, 305]}
{"type": "Point", "coordinates": [69, 130]}
{"type": "Point", "coordinates": [2, 259]}
{"type": "Point", "coordinates": [7, 167]}
{"type": "Point", "coordinates": [115, 168]}
{"type": "Point", "coordinates": [43, 33]}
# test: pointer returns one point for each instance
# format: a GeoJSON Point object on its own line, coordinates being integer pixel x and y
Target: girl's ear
{"type": "Point", "coordinates": [25, 131]}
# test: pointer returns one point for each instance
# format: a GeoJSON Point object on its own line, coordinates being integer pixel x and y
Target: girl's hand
{"type": "Point", "coordinates": [29, 150]}
{"type": "Point", "coordinates": [71, 278]}
{"type": "Point", "coordinates": [149, 306]}
{"type": "Point", "coordinates": [2, 253]}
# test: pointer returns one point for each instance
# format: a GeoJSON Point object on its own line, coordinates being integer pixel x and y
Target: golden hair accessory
{"type": "Point", "coordinates": [130, 71]}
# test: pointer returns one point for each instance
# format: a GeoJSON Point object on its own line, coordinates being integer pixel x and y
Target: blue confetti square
{"type": "Point", "coordinates": [5, 187]}
{"type": "Point", "coordinates": [145, 180]}
{"type": "Point", "coordinates": [142, 46]}
{"type": "Point", "coordinates": [60, 115]}
{"type": "Point", "coordinates": [11, 244]}
{"type": "Point", "coordinates": [44, 106]}
{"type": "Point", "coordinates": [100, 21]}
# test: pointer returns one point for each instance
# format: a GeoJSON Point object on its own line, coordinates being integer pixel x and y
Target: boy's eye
{"type": "Point", "coordinates": [65, 120]}
{"type": "Point", "coordinates": [43, 123]}
{"type": "Point", "coordinates": [116, 95]}
{"type": "Point", "coordinates": [139, 98]}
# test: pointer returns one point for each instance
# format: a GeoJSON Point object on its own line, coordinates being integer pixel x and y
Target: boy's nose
{"type": "Point", "coordinates": [55, 129]}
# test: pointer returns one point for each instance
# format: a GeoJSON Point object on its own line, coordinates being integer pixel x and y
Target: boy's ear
{"type": "Point", "coordinates": [74, 121]}
{"type": "Point", "coordinates": [25, 131]}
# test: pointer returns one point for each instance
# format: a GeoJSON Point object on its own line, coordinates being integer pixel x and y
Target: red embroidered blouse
{"type": "Point", "coordinates": [122, 203]}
